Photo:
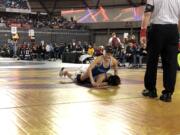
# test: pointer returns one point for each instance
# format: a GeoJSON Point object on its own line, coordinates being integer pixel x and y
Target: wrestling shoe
{"type": "Point", "coordinates": [61, 72]}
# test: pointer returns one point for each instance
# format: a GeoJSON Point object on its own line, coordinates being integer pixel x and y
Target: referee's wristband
{"type": "Point", "coordinates": [143, 32]}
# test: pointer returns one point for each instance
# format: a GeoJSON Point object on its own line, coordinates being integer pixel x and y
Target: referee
{"type": "Point", "coordinates": [162, 40]}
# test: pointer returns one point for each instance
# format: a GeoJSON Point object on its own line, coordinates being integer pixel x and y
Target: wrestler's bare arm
{"type": "Point", "coordinates": [115, 66]}
{"type": "Point", "coordinates": [89, 70]}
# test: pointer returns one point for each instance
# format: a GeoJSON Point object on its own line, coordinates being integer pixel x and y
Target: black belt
{"type": "Point", "coordinates": [163, 25]}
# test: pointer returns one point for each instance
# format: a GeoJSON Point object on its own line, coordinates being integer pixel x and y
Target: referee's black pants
{"type": "Point", "coordinates": [162, 41]}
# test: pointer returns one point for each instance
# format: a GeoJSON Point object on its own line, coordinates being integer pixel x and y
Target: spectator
{"type": "Point", "coordinates": [90, 50]}
{"type": "Point", "coordinates": [115, 42]}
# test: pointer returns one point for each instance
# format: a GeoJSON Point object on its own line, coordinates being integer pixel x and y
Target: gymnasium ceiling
{"type": "Point", "coordinates": [69, 4]}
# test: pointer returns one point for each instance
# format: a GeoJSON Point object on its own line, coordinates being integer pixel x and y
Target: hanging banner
{"type": "Point", "coordinates": [13, 30]}
{"type": "Point", "coordinates": [31, 33]}
{"type": "Point", "coordinates": [126, 35]}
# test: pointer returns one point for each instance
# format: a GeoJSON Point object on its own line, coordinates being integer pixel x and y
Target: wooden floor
{"type": "Point", "coordinates": [33, 101]}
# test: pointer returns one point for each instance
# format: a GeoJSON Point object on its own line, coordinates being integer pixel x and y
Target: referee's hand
{"type": "Point", "coordinates": [143, 36]}
{"type": "Point", "coordinates": [143, 41]}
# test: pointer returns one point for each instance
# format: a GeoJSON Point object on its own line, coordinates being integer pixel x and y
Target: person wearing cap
{"type": "Point", "coordinates": [162, 40]}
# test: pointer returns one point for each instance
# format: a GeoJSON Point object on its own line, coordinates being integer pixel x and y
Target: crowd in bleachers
{"type": "Point", "coordinates": [37, 21]}
{"type": "Point", "coordinates": [20, 4]}
{"type": "Point", "coordinates": [129, 53]}
{"type": "Point", "coordinates": [41, 51]}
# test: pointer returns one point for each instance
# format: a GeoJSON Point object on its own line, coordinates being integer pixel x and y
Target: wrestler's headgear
{"type": "Point", "coordinates": [114, 80]}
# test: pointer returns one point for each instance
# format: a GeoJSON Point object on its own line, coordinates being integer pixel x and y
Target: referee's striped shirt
{"type": "Point", "coordinates": [165, 11]}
